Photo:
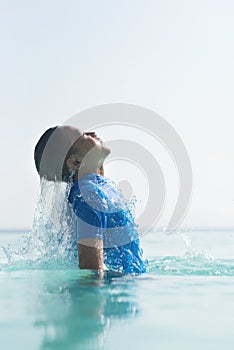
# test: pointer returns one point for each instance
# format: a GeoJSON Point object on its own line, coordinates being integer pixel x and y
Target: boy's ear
{"type": "Point", "coordinates": [72, 164]}
{"type": "Point", "coordinates": [101, 170]}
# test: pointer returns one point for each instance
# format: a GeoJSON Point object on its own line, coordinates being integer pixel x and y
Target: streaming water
{"type": "Point", "coordinates": [49, 244]}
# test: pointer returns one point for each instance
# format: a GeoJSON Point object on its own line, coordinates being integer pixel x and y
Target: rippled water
{"type": "Point", "coordinates": [184, 301]}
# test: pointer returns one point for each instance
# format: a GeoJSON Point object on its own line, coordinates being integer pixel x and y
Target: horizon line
{"type": "Point", "coordinates": [188, 228]}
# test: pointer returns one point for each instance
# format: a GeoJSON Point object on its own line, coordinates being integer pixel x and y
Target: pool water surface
{"type": "Point", "coordinates": [184, 301]}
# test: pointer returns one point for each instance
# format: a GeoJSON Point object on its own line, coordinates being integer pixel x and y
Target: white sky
{"type": "Point", "coordinates": [174, 57]}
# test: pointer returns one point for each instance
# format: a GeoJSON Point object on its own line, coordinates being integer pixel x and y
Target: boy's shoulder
{"type": "Point", "coordinates": [87, 193]}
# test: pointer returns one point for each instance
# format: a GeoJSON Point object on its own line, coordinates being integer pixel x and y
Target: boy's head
{"type": "Point", "coordinates": [64, 151]}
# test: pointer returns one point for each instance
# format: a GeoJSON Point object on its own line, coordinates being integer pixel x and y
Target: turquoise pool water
{"type": "Point", "coordinates": [184, 301]}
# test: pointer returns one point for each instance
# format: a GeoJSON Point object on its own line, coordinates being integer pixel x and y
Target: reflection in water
{"type": "Point", "coordinates": [76, 313]}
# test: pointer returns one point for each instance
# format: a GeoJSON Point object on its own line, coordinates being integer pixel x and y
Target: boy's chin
{"type": "Point", "coordinates": [107, 150]}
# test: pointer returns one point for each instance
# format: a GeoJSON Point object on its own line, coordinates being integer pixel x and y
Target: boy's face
{"type": "Point", "coordinates": [89, 141]}
{"type": "Point", "coordinates": [88, 150]}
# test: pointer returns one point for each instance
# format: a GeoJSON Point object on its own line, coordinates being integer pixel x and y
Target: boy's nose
{"type": "Point", "coordinates": [94, 135]}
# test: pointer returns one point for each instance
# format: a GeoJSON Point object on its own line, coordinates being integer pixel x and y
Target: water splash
{"type": "Point", "coordinates": [49, 244]}
{"type": "Point", "coordinates": [193, 262]}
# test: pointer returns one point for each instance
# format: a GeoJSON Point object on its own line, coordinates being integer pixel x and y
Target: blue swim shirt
{"type": "Point", "coordinates": [102, 212]}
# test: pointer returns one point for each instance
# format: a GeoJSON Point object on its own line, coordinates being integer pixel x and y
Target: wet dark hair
{"type": "Point", "coordinates": [40, 146]}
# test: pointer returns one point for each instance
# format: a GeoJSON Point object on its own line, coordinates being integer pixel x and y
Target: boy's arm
{"type": "Point", "coordinates": [90, 252]}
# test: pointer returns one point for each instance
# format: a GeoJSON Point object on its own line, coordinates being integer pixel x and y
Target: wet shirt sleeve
{"type": "Point", "coordinates": [89, 223]}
